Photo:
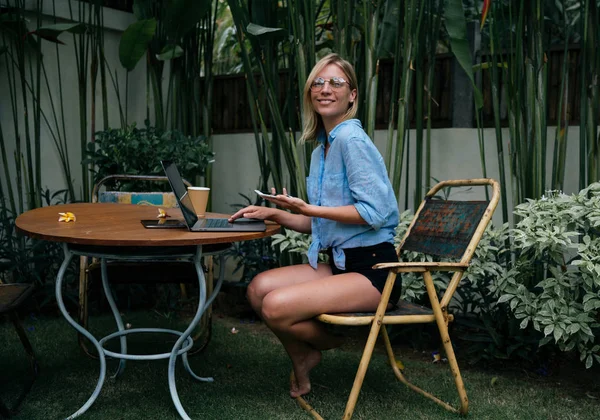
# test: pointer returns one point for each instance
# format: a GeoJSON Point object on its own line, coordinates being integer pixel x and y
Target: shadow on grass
{"type": "Point", "coordinates": [251, 374]}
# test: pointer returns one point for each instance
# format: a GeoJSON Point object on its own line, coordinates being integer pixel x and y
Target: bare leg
{"type": "Point", "coordinates": [289, 298]}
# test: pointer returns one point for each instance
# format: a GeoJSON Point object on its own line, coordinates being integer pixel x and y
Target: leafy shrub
{"type": "Point", "coordinates": [554, 283]}
{"type": "Point", "coordinates": [295, 243]}
{"type": "Point", "coordinates": [134, 151]}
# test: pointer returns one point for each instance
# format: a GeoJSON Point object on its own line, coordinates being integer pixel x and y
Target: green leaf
{"type": "Point", "coordinates": [263, 31]}
{"type": "Point", "coordinates": [170, 52]}
{"type": "Point", "coordinates": [456, 26]}
{"type": "Point", "coordinates": [134, 42]}
{"type": "Point", "coordinates": [505, 298]}
{"type": "Point", "coordinates": [51, 32]}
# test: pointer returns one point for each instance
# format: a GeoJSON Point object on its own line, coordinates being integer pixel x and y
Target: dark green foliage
{"type": "Point", "coordinates": [26, 260]}
{"type": "Point", "coordinates": [254, 257]}
{"type": "Point", "coordinates": [138, 151]}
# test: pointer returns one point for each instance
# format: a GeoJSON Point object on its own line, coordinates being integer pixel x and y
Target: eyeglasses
{"type": "Point", "coordinates": [335, 83]}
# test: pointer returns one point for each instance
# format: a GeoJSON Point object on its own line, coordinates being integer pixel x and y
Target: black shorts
{"type": "Point", "coordinates": [362, 259]}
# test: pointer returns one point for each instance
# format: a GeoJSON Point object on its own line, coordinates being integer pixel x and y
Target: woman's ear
{"type": "Point", "coordinates": [352, 96]}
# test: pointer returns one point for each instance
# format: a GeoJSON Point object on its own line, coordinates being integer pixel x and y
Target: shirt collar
{"type": "Point", "coordinates": [321, 138]}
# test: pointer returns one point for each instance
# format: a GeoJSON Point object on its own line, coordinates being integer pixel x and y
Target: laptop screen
{"type": "Point", "coordinates": [180, 191]}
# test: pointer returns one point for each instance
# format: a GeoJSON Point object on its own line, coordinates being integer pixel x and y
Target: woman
{"type": "Point", "coordinates": [352, 213]}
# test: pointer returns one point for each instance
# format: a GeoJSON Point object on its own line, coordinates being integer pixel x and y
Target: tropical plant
{"type": "Point", "coordinates": [138, 151]}
{"type": "Point", "coordinates": [294, 242]}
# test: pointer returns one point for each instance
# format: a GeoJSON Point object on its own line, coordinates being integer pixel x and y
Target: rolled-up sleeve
{"type": "Point", "coordinates": [367, 177]}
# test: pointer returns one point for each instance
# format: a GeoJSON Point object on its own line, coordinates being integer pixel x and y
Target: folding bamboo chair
{"type": "Point", "coordinates": [164, 272]}
{"type": "Point", "coordinates": [450, 230]}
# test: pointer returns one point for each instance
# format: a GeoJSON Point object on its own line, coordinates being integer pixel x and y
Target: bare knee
{"type": "Point", "coordinates": [258, 289]}
{"type": "Point", "coordinates": [275, 310]}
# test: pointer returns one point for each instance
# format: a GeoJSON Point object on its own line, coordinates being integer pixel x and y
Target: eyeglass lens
{"type": "Point", "coordinates": [334, 83]}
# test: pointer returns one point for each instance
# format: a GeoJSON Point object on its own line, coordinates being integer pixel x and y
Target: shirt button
{"type": "Point", "coordinates": [374, 255]}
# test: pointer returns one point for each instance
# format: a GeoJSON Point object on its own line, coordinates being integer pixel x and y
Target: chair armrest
{"type": "Point", "coordinates": [419, 267]}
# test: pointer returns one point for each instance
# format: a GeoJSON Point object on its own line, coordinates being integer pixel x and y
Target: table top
{"type": "Point", "coordinates": [112, 224]}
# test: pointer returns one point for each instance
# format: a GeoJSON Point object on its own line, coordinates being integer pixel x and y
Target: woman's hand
{"type": "Point", "coordinates": [254, 212]}
{"type": "Point", "coordinates": [297, 220]}
{"type": "Point", "coordinates": [286, 201]}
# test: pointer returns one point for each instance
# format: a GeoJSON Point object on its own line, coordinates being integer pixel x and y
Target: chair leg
{"type": "Point", "coordinates": [4, 410]}
{"type": "Point", "coordinates": [402, 378]}
{"type": "Point", "coordinates": [443, 329]}
{"type": "Point", "coordinates": [362, 368]}
{"type": "Point", "coordinates": [358, 379]}
{"type": "Point", "coordinates": [83, 303]}
{"type": "Point", "coordinates": [460, 386]}
{"type": "Point", "coordinates": [370, 346]}
{"type": "Point", "coordinates": [204, 329]}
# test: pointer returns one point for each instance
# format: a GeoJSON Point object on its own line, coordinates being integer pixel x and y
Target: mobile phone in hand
{"type": "Point", "coordinates": [262, 194]}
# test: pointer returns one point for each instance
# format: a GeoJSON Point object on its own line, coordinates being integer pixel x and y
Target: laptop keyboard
{"type": "Point", "coordinates": [216, 223]}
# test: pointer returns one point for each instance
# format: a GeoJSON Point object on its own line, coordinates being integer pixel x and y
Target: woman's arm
{"type": "Point", "coordinates": [343, 214]}
{"type": "Point", "coordinates": [298, 222]}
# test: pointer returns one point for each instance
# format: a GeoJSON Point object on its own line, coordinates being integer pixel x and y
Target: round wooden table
{"type": "Point", "coordinates": [112, 231]}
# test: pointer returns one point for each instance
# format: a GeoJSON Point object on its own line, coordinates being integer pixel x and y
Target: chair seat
{"type": "Point", "coordinates": [410, 312]}
{"type": "Point", "coordinates": [12, 295]}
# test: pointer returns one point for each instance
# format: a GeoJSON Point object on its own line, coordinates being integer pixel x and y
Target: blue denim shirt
{"type": "Point", "coordinates": [352, 174]}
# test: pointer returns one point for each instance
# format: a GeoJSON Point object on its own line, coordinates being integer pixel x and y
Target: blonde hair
{"type": "Point", "coordinates": [313, 123]}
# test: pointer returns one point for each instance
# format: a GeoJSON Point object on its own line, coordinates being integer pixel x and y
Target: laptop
{"type": "Point", "coordinates": [195, 224]}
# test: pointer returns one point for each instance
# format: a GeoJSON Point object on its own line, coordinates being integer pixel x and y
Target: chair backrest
{"type": "Point", "coordinates": [150, 198]}
{"type": "Point", "coordinates": [450, 229]}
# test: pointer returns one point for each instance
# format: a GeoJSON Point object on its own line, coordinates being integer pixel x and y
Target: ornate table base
{"type": "Point", "coordinates": [183, 344]}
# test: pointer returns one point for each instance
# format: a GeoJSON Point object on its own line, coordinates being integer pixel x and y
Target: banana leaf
{"type": "Point", "coordinates": [456, 26]}
{"type": "Point", "coordinates": [134, 42]}
{"type": "Point", "coordinates": [52, 32]}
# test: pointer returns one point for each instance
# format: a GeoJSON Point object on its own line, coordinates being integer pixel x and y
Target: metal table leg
{"type": "Point", "coordinates": [70, 320]}
{"type": "Point", "coordinates": [116, 314]}
{"type": "Point", "coordinates": [186, 334]}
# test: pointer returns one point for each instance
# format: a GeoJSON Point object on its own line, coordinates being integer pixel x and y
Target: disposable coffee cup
{"type": "Point", "coordinates": [199, 197]}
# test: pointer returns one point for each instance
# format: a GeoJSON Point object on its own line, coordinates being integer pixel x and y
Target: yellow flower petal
{"type": "Point", "coordinates": [67, 217]}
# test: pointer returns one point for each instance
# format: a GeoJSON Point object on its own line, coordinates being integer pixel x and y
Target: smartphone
{"type": "Point", "coordinates": [262, 194]}
{"type": "Point", "coordinates": [163, 224]}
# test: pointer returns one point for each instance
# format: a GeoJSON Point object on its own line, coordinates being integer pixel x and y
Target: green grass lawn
{"type": "Point", "coordinates": [251, 374]}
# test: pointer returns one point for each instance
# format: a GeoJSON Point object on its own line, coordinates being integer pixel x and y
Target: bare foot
{"type": "Point", "coordinates": [300, 382]}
